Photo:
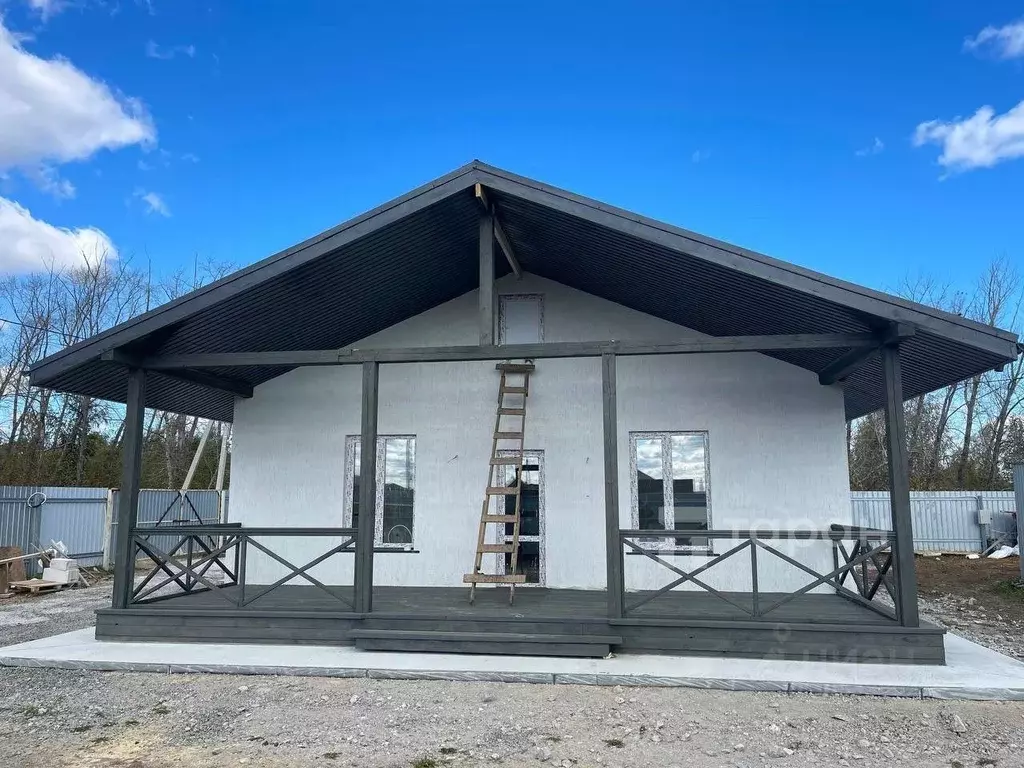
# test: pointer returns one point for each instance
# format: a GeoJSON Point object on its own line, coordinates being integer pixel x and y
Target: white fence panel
{"type": "Point", "coordinates": [944, 521]}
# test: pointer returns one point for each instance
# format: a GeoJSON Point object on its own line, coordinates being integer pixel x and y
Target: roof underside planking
{"type": "Point", "coordinates": [421, 250]}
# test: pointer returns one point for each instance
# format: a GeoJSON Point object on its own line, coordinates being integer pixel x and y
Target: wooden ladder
{"type": "Point", "coordinates": [503, 457]}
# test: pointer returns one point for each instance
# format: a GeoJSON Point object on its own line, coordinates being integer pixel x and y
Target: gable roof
{"type": "Point", "coordinates": [420, 250]}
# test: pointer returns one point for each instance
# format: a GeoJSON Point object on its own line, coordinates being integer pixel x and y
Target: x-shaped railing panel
{"type": "Point", "coordinates": [863, 553]}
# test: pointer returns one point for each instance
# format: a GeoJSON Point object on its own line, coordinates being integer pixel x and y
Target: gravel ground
{"type": "Point", "coordinates": [975, 599]}
{"type": "Point", "coordinates": [71, 718]}
{"type": "Point", "coordinates": [33, 617]}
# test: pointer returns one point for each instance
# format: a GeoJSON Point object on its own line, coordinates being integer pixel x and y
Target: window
{"type": "Point", "coordinates": [520, 318]}
{"type": "Point", "coordinates": [396, 488]}
{"type": "Point", "coordinates": [670, 489]}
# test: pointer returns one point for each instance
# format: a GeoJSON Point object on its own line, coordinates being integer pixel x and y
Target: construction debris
{"type": "Point", "coordinates": [1005, 551]}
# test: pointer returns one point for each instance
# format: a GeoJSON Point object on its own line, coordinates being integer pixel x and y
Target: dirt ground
{"type": "Point", "coordinates": [975, 598]}
{"type": "Point", "coordinates": [73, 718]}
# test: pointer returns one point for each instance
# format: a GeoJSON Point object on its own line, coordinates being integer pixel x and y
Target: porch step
{"type": "Point", "coordinates": [501, 643]}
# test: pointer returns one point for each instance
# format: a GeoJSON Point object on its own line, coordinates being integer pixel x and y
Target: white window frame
{"type": "Point", "coordinates": [505, 298]}
{"type": "Point", "coordinates": [500, 537]}
{"type": "Point", "coordinates": [351, 441]}
{"type": "Point", "coordinates": [668, 542]}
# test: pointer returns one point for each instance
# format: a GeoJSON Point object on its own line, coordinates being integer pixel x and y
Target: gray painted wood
{"type": "Point", "coordinates": [819, 627]}
{"type": "Point", "coordinates": [363, 574]}
{"type": "Point", "coordinates": [614, 586]}
{"type": "Point", "coordinates": [486, 293]}
{"type": "Point", "coordinates": [899, 487]}
{"type": "Point", "coordinates": [562, 349]}
{"type": "Point", "coordinates": [128, 499]}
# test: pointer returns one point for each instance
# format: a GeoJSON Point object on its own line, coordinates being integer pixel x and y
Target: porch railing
{"type": "Point", "coordinates": [862, 556]}
{"type": "Point", "coordinates": [212, 558]}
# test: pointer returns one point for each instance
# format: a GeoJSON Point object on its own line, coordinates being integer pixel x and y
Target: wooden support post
{"type": "Point", "coordinates": [613, 546]}
{"type": "Point", "coordinates": [1018, 493]}
{"type": "Point", "coordinates": [367, 491]}
{"type": "Point", "coordinates": [486, 279]}
{"type": "Point", "coordinates": [108, 531]}
{"type": "Point", "coordinates": [128, 501]}
{"type": "Point", "coordinates": [899, 486]}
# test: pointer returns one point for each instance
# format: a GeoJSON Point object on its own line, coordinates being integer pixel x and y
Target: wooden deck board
{"type": "Point", "coordinates": [818, 627]}
{"type": "Point", "coordinates": [535, 603]}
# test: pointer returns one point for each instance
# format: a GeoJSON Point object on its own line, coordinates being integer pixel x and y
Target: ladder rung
{"type": "Point", "coordinates": [508, 435]}
{"type": "Point", "coordinates": [507, 548]}
{"type": "Point", "coordinates": [494, 578]}
{"type": "Point", "coordinates": [498, 518]}
{"type": "Point", "coordinates": [512, 411]}
{"type": "Point", "coordinates": [515, 367]}
{"type": "Point", "coordinates": [513, 390]}
{"type": "Point", "coordinates": [503, 491]}
{"type": "Point", "coordinates": [502, 460]}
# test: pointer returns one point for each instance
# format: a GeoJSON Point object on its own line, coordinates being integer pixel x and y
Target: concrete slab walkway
{"type": "Point", "coordinates": [972, 671]}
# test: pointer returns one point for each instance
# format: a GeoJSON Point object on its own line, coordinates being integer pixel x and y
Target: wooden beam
{"type": "Point", "coordinates": [846, 364]}
{"type": "Point", "coordinates": [486, 302]}
{"type": "Point", "coordinates": [363, 580]}
{"type": "Point", "coordinates": [351, 356]}
{"type": "Point", "coordinates": [499, 230]}
{"type": "Point", "coordinates": [613, 545]}
{"type": "Point", "coordinates": [228, 384]}
{"type": "Point", "coordinates": [899, 487]}
{"type": "Point", "coordinates": [128, 498]}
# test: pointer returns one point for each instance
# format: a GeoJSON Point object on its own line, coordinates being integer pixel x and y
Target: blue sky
{"type": "Point", "coordinates": [232, 130]}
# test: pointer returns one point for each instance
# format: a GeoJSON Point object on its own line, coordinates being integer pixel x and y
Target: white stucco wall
{"type": "Point", "coordinates": [777, 446]}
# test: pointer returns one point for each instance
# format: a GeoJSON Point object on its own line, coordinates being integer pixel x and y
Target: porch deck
{"type": "Point", "coordinates": [810, 626]}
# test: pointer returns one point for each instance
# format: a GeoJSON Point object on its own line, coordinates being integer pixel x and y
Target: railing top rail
{"type": "Point", "coordinates": [238, 528]}
{"type": "Point", "coordinates": [835, 532]}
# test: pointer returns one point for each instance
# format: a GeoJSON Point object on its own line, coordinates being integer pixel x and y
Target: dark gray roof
{"type": "Point", "coordinates": [420, 250]}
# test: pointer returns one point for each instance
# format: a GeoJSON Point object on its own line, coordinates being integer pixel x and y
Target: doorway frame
{"type": "Point", "coordinates": [530, 456]}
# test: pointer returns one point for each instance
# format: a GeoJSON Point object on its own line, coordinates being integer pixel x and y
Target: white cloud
{"type": "Point", "coordinates": [49, 180]}
{"type": "Point", "coordinates": [50, 111]}
{"type": "Point", "coordinates": [873, 148]}
{"type": "Point", "coordinates": [980, 141]}
{"type": "Point", "coordinates": [28, 244]}
{"type": "Point", "coordinates": [47, 8]}
{"type": "Point", "coordinates": [1006, 42]}
{"type": "Point", "coordinates": [154, 51]}
{"type": "Point", "coordinates": [189, 157]}
{"type": "Point", "coordinates": [700, 155]}
{"type": "Point", "coordinates": [154, 203]}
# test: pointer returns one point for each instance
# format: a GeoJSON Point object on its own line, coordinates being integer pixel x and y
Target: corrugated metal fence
{"type": "Point", "coordinates": [84, 519]}
{"type": "Point", "coordinates": [945, 521]}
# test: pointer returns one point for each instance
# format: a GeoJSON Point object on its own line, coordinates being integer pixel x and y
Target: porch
{"type": "Point", "coordinates": [181, 598]}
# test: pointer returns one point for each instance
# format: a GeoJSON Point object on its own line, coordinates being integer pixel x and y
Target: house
{"type": "Point", "coordinates": [682, 474]}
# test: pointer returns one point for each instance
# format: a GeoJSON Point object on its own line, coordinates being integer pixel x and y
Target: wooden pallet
{"type": "Point", "coordinates": [36, 585]}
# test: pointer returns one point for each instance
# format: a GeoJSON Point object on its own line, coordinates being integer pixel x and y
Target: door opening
{"type": "Point", "coordinates": [530, 560]}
